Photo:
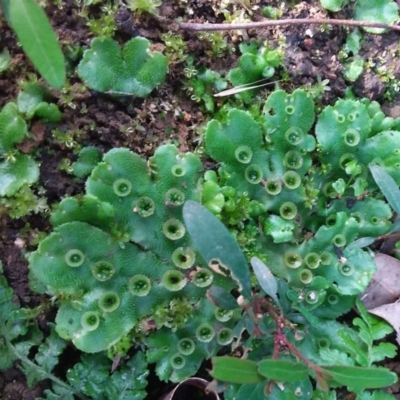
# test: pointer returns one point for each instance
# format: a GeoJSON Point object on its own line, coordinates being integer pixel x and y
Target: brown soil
{"type": "Point", "coordinates": [312, 53]}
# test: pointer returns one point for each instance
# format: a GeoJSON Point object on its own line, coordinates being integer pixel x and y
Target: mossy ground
{"type": "Point", "coordinates": [96, 119]}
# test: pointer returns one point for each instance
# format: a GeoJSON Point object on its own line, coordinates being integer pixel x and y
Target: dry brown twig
{"type": "Point", "coordinates": [189, 26]}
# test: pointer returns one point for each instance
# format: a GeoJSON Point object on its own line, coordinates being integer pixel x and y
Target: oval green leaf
{"type": "Point", "coordinates": [282, 370]}
{"type": "Point", "coordinates": [235, 370]}
{"type": "Point", "coordinates": [265, 278]}
{"type": "Point", "coordinates": [388, 186]}
{"type": "Point", "coordinates": [216, 244]}
{"type": "Point", "coordinates": [359, 378]}
{"type": "Point", "coordinates": [38, 40]}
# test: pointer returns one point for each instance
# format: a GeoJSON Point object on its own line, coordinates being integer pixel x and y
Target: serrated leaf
{"type": "Point", "coordinates": [129, 382]}
{"type": "Point", "coordinates": [364, 332]}
{"type": "Point", "coordinates": [265, 278]}
{"type": "Point", "coordinates": [283, 370]}
{"type": "Point", "coordinates": [334, 356]}
{"type": "Point", "coordinates": [358, 378]}
{"type": "Point", "coordinates": [380, 329]}
{"type": "Point", "coordinates": [38, 40]}
{"type": "Point", "coordinates": [90, 375]}
{"type": "Point", "coordinates": [354, 347]}
{"type": "Point", "coordinates": [319, 394]}
{"type": "Point", "coordinates": [367, 318]}
{"type": "Point", "coordinates": [221, 298]}
{"type": "Point", "coordinates": [58, 392]}
{"type": "Point", "coordinates": [381, 351]}
{"type": "Point", "coordinates": [388, 186]}
{"type": "Point", "coordinates": [376, 395]}
{"type": "Point", "coordinates": [215, 243]}
{"type": "Point", "coordinates": [49, 351]}
{"type": "Point", "coordinates": [235, 370]}
{"type": "Point", "coordinates": [7, 357]}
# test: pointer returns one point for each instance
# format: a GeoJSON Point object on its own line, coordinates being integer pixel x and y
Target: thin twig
{"type": "Point", "coordinates": [189, 26]}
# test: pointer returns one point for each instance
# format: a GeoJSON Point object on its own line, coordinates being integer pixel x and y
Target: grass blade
{"type": "Point", "coordinates": [38, 40]}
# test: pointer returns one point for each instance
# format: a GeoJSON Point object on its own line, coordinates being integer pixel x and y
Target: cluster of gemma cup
{"type": "Point", "coordinates": [123, 267]}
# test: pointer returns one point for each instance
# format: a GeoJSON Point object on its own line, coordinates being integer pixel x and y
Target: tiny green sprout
{"type": "Point", "coordinates": [224, 336]}
{"type": "Point", "coordinates": [178, 170]}
{"type": "Point", "coordinates": [293, 159]}
{"type": "Point", "coordinates": [253, 174]}
{"type": "Point", "coordinates": [139, 285]}
{"type": "Point", "coordinates": [173, 280]}
{"type": "Point", "coordinates": [243, 154]}
{"type": "Point", "coordinates": [203, 277]}
{"type": "Point", "coordinates": [173, 229]}
{"type": "Point", "coordinates": [90, 320]}
{"type": "Point", "coordinates": [223, 315]}
{"type": "Point", "coordinates": [74, 258]}
{"type": "Point", "coordinates": [183, 257]}
{"type": "Point", "coordinates": [292, 259]}
{"type": "Point", "coordinates": [306, 276]}
{"type": "Point", "coordinates": [312, 260]}
{"type": "Point", "coordinates": [312, 297]}
{"type": "Point", "coordinates": [346, 269]}
{"type": "Point", "coordinates": [291, 179]}
{"type": "Point", "coordinates": [177, 361]}
{"type": "Point", "coordinates": [205, 333]}
{"type": "Point", "coordinates": [288, 210]}
{"type": "Point", "coordinates": [109, 302]}
{"type": "Point", "coordinates": [174, 197]}
{"type": "Point", "coordinates": [186, 346]}
{"type": "Point", "coordinates": [273, 186]}
{"type": "Point", "coordinates": [145, 207]}
{"type": "Point", "coordinates": [339, 240]}
{"type": "Point", "coordinates": [294, 135]}
{"type": "Point", "coordinates": [351, 137]}
{"type": "Point", "coordinates": [103, 271]}
{"type": "Point", "coordinates": [122, 187]}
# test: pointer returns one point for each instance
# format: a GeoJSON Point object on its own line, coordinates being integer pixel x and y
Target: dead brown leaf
{"type": "Point", "coordinates": [390, 313]}
{"type": "Point", "coordinates": [385, 285]}
{"type": "Point", "coordinates": [198, 383]}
